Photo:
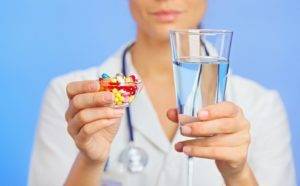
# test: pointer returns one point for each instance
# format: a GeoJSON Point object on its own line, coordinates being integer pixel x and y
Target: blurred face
{"type": "Point", "coordinates": [156, 17]}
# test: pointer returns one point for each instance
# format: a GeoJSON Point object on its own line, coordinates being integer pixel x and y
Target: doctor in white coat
{"type": "Point", "coordinates": [244, 141]}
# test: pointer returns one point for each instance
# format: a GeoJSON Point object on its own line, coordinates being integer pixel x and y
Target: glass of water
{"type": "Point", "coordinates": [200, 65]}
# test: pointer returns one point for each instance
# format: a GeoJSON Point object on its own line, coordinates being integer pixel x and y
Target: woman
{"type": "Point", "coordinates": [76, 153]}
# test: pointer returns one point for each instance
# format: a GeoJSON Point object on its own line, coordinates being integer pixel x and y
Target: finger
{"type": "Point", "coordinates": [96, 126]}
{"type": "Point", "coordinates": [184, 119]}
{"type": "Point", "coordinates": [172, 114]}
{"type": "Point", "coordinates": [95, 99]}
{"type": "Point", "coordinates": [92, 114]}
{"type": "Point", "coordinates": [80, 87]}
{"type": "Point", "coordinates": [212, 127]}
{"type": "Point", "coordinates": [230, 154]}
{"type": "Point", "coordinates": [88, 130]}
{"type": "Point", "coordinates": [88, 100]}
{"type": "Point", "coordinates": [220, 110]}
{"type": "Point", "coordinates": [230, 140]}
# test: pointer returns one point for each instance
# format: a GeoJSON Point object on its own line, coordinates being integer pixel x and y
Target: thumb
{"type": "Point", "coordinates": [172, 114]}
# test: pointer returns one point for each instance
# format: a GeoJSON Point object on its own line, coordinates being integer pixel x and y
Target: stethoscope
{"type": "Point", "coordinates": [132, 158]}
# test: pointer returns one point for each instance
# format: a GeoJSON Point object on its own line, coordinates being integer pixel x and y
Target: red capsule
{"type": "Point", "coordinates": [133, 78]}
{"type": "Point", "coordinates": [114, 83]}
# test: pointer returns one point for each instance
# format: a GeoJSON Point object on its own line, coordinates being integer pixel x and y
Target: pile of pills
{"type": "Point", "coordinates": [124, 88]}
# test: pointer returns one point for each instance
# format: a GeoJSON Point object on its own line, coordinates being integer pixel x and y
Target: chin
{"type": "Point", "coordinates": [161, 32]}
{"type": "Point", "coordinates": [161, 35]}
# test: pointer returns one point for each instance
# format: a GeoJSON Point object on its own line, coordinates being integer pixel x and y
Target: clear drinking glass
{"type": "Point", "coordinates": [200, 65]}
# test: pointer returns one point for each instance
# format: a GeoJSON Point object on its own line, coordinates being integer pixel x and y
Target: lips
{"type": "Point", "coordinates": [166, 15]}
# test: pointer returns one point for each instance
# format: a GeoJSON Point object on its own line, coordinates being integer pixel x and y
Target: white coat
{"type": "Point", "coordinates": [270, 155]}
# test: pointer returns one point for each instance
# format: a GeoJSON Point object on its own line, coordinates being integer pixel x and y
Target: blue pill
{"type": "Point", "coordinates": [105, 76]}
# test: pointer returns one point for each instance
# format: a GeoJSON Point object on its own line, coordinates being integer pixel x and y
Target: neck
{"type": "Point", "coordinates": [151, 57]}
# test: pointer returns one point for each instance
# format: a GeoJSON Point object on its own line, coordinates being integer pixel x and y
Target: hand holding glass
{"type": "Point", "coordinates": [200, 65]}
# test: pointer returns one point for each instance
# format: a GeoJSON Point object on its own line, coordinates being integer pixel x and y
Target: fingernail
{"type": "Point", "coordinates": [178, 147]}
{"type": "Point", "coordinates": [119, 112]}
{"type": "Point", "coordinates": [203, 114]}
{"type": "Point", "coordinates": [186, 130]}
{"type": "Point", "coordinates": [187, 150]}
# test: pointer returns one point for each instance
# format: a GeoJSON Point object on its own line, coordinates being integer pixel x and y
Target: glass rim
{"type": "Point", "coordinates": [201, 31]}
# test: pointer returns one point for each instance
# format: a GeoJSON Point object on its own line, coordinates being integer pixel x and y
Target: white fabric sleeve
{"type": "Point", "coordinates": [270, 153]}
{"type": "Point", "coordinates": [54, 151]}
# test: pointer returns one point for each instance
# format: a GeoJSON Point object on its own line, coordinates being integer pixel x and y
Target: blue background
{"type": "Point", "coordinates": [42, 39]}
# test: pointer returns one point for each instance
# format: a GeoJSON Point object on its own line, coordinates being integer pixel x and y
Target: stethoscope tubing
{"type": "Point", "coordinates": [128, 111]}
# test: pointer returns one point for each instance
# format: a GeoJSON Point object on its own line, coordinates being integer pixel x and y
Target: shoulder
{"type": "Point", "coordinates": [240, 88]}
{"type": "Point", "coordinates": [270, 134]}
{"type": "Point", "coordinates": [244, 86]}
{"type": "Point", "coordinates": [254, 98]}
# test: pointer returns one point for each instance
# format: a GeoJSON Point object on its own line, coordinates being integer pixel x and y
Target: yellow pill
{"type": "Point", "coordinates": [128, 79]}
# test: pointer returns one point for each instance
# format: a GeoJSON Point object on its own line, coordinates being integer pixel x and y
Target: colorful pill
{"type": "Point", "coordinates": [105, 76]}
{"type": "Point", "coordinates": [123, 88]}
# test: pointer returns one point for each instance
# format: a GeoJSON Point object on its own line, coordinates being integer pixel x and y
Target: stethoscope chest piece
{"type": "Point", "coordinates": [133, 158]}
